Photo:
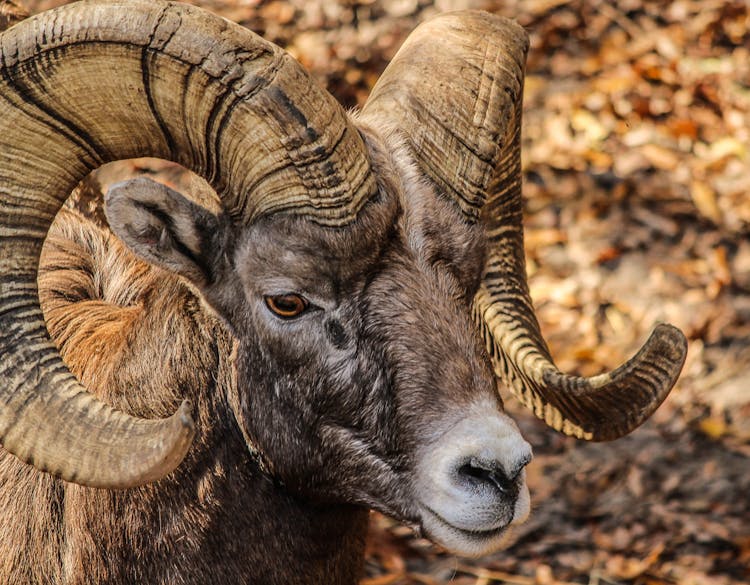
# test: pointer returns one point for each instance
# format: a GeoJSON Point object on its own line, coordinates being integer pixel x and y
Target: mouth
{"type": "Point", "coordinates": [470, 543]}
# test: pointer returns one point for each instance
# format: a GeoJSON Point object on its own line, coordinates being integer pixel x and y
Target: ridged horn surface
{"type": "Point", "coordinates": [454, 92]}
{"type": "Point", "coordinates": [93, 82]}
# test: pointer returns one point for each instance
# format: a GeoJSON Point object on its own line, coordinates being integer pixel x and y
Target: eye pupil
{"type": "Point", "coordinates": [286, 306]}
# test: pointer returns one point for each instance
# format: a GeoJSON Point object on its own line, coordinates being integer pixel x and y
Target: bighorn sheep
{"type": "Point", "coordinates": [326, 325]}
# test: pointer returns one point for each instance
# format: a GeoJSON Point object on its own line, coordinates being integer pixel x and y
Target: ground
{"type": "Point", "coordinates": [637, 184]}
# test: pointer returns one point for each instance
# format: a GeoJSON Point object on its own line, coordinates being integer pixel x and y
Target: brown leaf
{"type": "Point", "coordinates": [704, 198]}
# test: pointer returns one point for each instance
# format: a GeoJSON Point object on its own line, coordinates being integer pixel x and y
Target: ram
{"type": "Point", "coordinates": [336, 327]}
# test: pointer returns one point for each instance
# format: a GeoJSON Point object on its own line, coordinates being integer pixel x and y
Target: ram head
{"type": "Point", "coordinates": [370, 266]}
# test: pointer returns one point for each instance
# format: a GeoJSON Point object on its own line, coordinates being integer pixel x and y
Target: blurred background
{"type": "Point", "coordinates": [637, 184]}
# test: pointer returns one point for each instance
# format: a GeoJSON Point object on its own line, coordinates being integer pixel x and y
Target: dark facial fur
{"type": "Point", "coordinates": [337, 398]}
{"type": "Point", "coordinates": [334, 401]}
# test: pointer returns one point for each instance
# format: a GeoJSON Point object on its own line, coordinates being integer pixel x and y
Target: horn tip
{"type": "Point", "coordinates": [185, 414]}
{"type": "Point", "coordinates": [184, 423]}
{"type": "Point", "coordinates": [671, 336]}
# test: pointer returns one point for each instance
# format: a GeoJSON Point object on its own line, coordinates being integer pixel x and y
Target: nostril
{"type": "Point", "coordinates": [478, 472]}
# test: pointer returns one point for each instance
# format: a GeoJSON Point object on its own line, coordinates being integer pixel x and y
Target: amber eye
{"type": "Point", "coordinates": [286, 306]}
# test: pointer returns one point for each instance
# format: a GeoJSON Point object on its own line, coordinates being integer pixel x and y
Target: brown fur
{"type": "Point", "coordinates": [106, 310]}
{"type": "Point", "coordinates": [336, 402]}
{"type": "Point", "coordinates": [299, 429]}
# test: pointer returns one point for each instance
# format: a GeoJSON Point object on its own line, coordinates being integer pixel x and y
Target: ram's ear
{"type": "Point", "coordinates": [165, 228]}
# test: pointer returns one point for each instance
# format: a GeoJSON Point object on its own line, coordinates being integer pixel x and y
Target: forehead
{"type": "Point", "coordinates": [296, 247]}
{"type": "Point", "coordinates": [407, 218]}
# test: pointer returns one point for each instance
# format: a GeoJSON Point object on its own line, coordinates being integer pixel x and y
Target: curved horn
{"type": "Point", "coordinates": [454, 90]}
{"type": "Point", "coordinates": [95, 82]}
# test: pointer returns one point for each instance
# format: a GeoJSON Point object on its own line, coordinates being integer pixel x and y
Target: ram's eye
{"type": "Point", "coordinates": [286, 306]}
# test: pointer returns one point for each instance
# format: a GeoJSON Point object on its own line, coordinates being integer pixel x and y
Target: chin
{"type": "Point", "coordinates": [467, 542]}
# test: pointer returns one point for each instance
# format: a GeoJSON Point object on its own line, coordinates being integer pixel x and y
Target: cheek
{"type": "Point", "coordinates": [290, 394]}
